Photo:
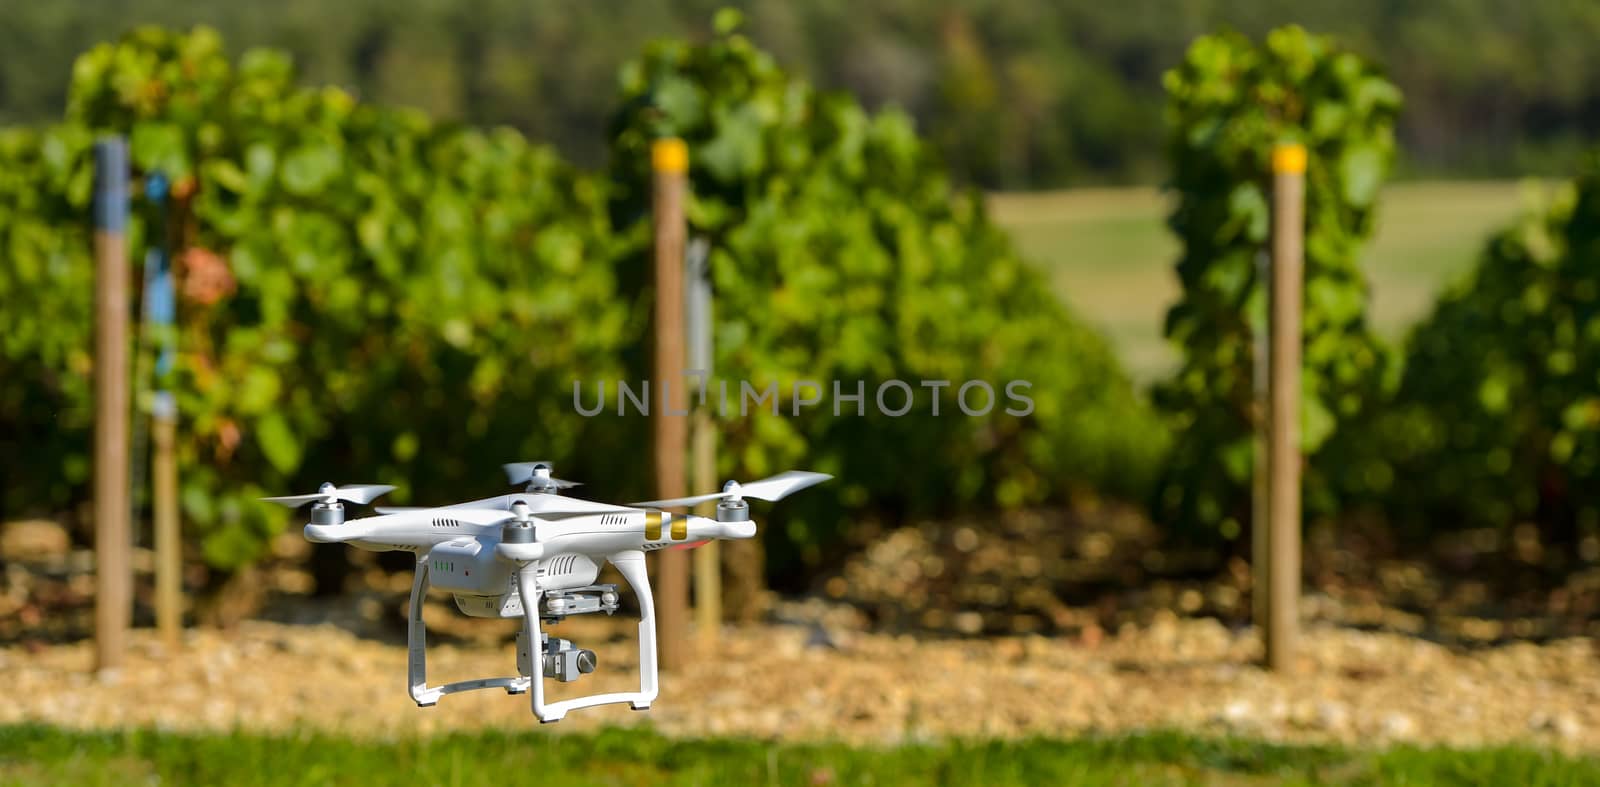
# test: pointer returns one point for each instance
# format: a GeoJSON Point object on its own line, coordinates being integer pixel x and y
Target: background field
{"type": "Point", "coordinates": [1111, 258]}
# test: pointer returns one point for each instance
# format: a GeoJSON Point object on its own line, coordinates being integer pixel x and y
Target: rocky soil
{"type": "Point", "coordinates": [825, 681]}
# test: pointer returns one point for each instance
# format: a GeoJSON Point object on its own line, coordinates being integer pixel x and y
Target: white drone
{"type": "Point", "coordinates": [535, 554]}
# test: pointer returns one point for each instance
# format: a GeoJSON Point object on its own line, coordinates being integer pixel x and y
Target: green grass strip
{"type": "Point", "coordinates": [33, 754]}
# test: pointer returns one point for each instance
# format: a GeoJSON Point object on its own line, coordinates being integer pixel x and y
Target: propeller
{"type": "Point", "coordinates": [771, 488]}
{"type": "Point", "coordinates": [536, 475]}
{"type": "Point", "coordinates": [329, 494]}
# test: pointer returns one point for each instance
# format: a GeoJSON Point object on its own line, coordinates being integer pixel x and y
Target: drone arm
{"type": "Point", "coordinates": [700, 528]}
{"type": "Point", "coordinates": [335, 534]}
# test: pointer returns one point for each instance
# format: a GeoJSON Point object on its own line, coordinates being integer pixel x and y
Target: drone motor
{"type": "Point", "coordinates": [326, 507]}
{"type": "Point", "coordinates": [519, 528]}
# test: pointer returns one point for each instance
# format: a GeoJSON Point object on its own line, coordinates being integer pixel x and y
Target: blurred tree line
{"type": "Point", "coordinates": [1016, 93]}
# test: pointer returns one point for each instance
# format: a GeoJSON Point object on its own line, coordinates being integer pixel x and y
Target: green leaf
{"type": "Point", "coordinates": [726, 20]}
{"type": "Point", "coordinates": [228, 175]}
{"type": "Point", "coordinates": [1361, 169]}
{"type": "Point", "coordinates": [261, 162]}
{"type": "Point", "coordinates": [278, 444]}
{"type": "Point", "coordinates": [259, 390]}
{"type": "Point", "coordinates": [309, 168]}
{"type": "Point", "coordinates": [1317, 424]}
{"type": "Point", "coordinates": [736, 151]}
{"type": "Point", "coordinates": [682, 106]}
{"type": "Point", "coordinates": [405, 446]}
{"type": "Point", "coordinates": [159, 147]}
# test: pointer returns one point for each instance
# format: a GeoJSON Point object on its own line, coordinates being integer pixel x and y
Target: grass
{"type": "Point", "coordinates": [34, 754]}
{"type": "Point", "coordinates": [1109, 254]}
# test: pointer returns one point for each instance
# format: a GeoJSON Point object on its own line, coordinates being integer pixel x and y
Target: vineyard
{"type": "Point", "coordinates": [339, 259]}
{"type": "Point", "coordinates": [362, 286]}
{"type": "Point", "coordinates": [373, 292]}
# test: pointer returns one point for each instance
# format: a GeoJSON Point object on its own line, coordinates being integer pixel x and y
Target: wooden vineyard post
{"type": "Point", "coordinates": [1259, 555]}
{"type": "Point", "coordinates": [708, 558]}
{"type": "Point", "coordinates": [669, 159]}
{"type": "Point", "coordinates": [1283, 394]}
{"type": "Point", "coordinates": [113, 605]}
{"type": "Point", "coordinates": [169, 548]}
{"type": "Point", "coordinates": [160, 303]}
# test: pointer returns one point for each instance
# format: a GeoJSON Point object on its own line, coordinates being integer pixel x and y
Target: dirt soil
{"type": "Point", "coordinates": [826, 681]}
{"type": "Point", "coordinates": [1049, 623]}
{"type": "Point", "coordinates": [1064, 572]}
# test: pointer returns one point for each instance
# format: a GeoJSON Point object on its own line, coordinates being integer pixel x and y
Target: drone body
{"type": "Point", "coordinates": [536, 555]}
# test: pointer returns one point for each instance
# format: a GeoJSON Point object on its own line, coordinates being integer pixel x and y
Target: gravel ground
{"type": "Point", "coordinates": [829, 682]}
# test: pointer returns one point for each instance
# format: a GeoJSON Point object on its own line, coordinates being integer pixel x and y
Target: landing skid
{"type": "Point", "coordinates": [629, 563]}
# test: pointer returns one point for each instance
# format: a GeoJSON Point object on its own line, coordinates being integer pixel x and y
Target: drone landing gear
{"type": "Point", "coordinates": [631, 565]}
{"type": "Point", "coordinates": [558, 658]}
{"type": "Point", "coordinates": [417, 665]}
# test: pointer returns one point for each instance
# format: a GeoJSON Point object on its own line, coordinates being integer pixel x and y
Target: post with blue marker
{"type": "Point", "coordinates": [160, 301]}
{"type": "Point", "coordinates": [703, 440]}
{"type": "Point", "coordinates": [113, 575]}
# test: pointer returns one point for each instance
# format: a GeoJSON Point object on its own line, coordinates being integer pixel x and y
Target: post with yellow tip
{"type": "Point", "coordinates": [1283, 396]}
{"type": "Point", "coordinates": [669, 160]}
